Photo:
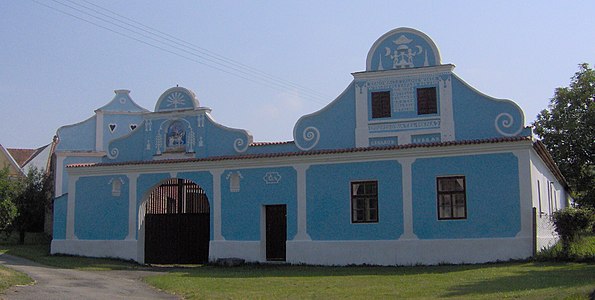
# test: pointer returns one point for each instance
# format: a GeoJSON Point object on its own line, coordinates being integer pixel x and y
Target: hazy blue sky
{"type": "Point", "coordinates": [56, 68]}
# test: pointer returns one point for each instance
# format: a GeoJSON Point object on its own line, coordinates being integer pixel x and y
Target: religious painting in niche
{"type": "Point", "coordinates": [176, 136]}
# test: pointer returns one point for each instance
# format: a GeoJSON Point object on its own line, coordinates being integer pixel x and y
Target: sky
{"type": "Point", "coordinates": [261, 65]}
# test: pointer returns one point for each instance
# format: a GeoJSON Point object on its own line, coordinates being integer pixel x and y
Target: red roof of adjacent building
{"type": "Point", "coordinates": [303, 153]}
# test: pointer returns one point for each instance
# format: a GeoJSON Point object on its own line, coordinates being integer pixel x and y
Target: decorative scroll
{"type": "Point", "coordinates": [240, 145]}
{"type": "Point", "coordinates": [311, 135]}
{"type": "Point", "coordinates": [503, 122]}
{"type": "Point", "coordinates": [113, 154]}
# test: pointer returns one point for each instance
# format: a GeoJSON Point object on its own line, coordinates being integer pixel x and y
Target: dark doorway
{"type": "Point", "coordinates": [177, 224]}
{"type": "Point", "coordinates": [276, 232]}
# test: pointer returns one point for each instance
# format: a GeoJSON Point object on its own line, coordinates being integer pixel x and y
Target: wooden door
{"type": "Point", "coordinates": [276, 232]}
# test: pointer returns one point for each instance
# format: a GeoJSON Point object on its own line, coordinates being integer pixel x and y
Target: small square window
{"type": "Point", "coordinates": [426, 101]}
{"type": "Point", "coordinates": [381, 105]}
{"type": "Point", "coordinates": [452, 202]}
{"type": "Point", "coordinates": [364, 202]}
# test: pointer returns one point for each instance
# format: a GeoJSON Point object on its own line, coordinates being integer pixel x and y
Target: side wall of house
{"type": "Point", "coordinates": [548, 196]}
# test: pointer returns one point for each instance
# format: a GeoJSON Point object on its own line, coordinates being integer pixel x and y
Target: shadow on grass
{"type": "Point", "coordinates": [533, 276]}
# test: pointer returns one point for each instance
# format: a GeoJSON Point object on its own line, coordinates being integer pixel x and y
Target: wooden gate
{"type": "Point", "coordinates": [177, 224]}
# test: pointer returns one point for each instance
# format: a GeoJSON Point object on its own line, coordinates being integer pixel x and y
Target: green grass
{"type": "Point", "coordinates": [40, 253]}
{"type": "Point", "coordinates": [9, 277]}
{"type": "Point", "coordinates": [581, 250]}
{"type": "Point", "coordinates": [527, 280]}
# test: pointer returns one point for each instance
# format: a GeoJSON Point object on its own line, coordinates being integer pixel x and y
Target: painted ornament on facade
{"type": "Point", "coordinates": [404, 53]}
{"type": "Point", "coordinates": [272, 177]}
{"type": "Point", "coordinates": [176, 135]}
{"type": "Point", "coordinates": [174, 99]}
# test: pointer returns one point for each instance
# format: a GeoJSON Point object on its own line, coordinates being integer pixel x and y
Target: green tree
{"type": "Point", "coordinates": [31, 203]}
{"type": "Point", "coordinates": [8, 192]}
{"type": "Point", "coordinates": [567, 129]}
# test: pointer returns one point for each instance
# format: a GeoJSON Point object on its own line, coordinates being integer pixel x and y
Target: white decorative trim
{"type": "Point", "coordinates": [272, 177]}
{"type": "Point", "coordinates": [355, 156]}
{"type": "Point", "coordinates": [99, 130]}
{"type": "Point", "coordinates": [302, 211]}
{"type": "Point", "coordinates": [402, 30]}
{"type": "Point", "coordinates": [407, 185]}
{"type": "Point", "coordinates": [123, 249]}
{"type": "Point", "coordinates": [240, 146]}
{"type": "Point", "coordinates": [113, 153]}
{"type": "Point", "coordinates": [310, 133]}
{"type": "Point", "coordinates": [132, 180]}
{"type": "Point", "coordinates": [70, 208]}
{"type": "Point", "coordinates": [217, 205]}
{"type": "Point", "coordinates": [505, 120]}
{"type": "Point", "coordinates": [525, 196]}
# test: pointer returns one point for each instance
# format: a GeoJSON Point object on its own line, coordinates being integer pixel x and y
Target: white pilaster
{"type": "Point", "coordinates": [70, 208]}
{"type": "Point", "coordinates": [361, 115]}
{"type": "Point", "coordinates": [59, 175]}
{"type": "Point", "coordinates": [447, 123]}
{"type": "Point", "coordinates": [525, 197]}
{"type": "Point", "coordinates": [99, 130]}
{"type": "Point", "coordinates": [132, 178]}
{"type": "Point", "coordinates": [217, 236]}
{"type": "Point", "coordinates": [302, 217]}
{"type": "Point", "coordinates": [407, 199]}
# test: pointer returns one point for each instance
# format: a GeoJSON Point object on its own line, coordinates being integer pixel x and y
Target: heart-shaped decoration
{"type": "Point", "coordinates": [112, 127]}
{"type": "Point", "coordinates": [133, 126]}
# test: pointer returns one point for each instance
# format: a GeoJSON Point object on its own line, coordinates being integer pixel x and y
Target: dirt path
{"type": "Point", "coordinates": [53, 283]}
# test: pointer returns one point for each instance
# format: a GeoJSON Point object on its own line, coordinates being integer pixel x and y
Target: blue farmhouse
{"type": "Point", "coordinates": [408, 165]}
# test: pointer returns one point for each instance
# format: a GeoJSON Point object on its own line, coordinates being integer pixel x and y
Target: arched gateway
{"type": "Point", "coordinates": [177, 223]}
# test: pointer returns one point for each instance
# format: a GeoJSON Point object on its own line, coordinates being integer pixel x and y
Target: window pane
{"type": "Point", "coordinates": [459, 212]}
{"type": "Point", "coordinates": [381, 105]}
{"type": "Point", "coordinates": [444, 212]}
{"type": "Point", "coordinates": [426, 101]}
{"type": "Point", "coordinates": [444, 200]}
{"type": "Point", "coordinates": [459, 184]}
{"type": "Point", "coordinates": [373, 215]}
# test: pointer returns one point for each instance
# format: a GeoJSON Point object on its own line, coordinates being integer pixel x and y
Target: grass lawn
{"type": "Point", "coordinates": [525, 280]}
{"type": "Point", "coordinates": [40, 254]}
{"type": "Point", "coordinates": [9, 277]}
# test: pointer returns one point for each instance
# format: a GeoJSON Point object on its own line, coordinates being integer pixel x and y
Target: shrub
{"type": "Point", "coordinates": [570, 222]}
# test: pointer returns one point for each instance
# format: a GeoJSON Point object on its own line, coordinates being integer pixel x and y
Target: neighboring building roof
{"type": "Point", "coordinates": [21, 156]}
{"type": "Point", "coordinates": [308, 153]}
{"type": "Point", "coordinates": [15, 169]}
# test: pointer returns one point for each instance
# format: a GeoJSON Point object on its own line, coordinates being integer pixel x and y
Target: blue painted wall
{"type": "Point", "coordinates": [329, 201]}
{"type": "Point", "coordinates": [335, 123]}
{"type": "Point", "coordinates": [98, 214]}
{"type": "Point", "coordinates": [476, 114]}
{"type": "Point", "coordinates": [59, 223]}
{"type": "Point", "coordinates": [241, 211]}
{"type": "Point", "coordinates": [493, 201]}
{"type": "Point", "coordinates": [77, 137]}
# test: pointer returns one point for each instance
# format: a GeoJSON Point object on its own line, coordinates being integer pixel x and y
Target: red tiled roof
{"type": "Point", "coordinates": [21, 156]}
{"type": "Point", "coordinates": [257, 144]}
{"type": "Point", "coordinates": [304, 153]}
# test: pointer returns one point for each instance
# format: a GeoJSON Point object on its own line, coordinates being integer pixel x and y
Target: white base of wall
{"type": "Point", "coordinates": [123, 249]}
{"type": "Point", "coordinates": [399, 252]}
{"type": "Point", "coordinates": [251, 251]}
{"type": "Point", "coordinates": [545, 242]}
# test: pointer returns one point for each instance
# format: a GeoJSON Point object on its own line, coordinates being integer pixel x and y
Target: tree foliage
{"type": "Point", "coordinates": [567, 129]}
{"type": "Point", "coordinates": [9, 189]}
{"type": "Point", "coordinates": [31, 203]}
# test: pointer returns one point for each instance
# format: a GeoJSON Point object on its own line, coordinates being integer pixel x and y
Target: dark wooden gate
{"type": "Point", "coordinates": [276, 232]}
{"type": "Point", "coordinates": [177, 224]}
